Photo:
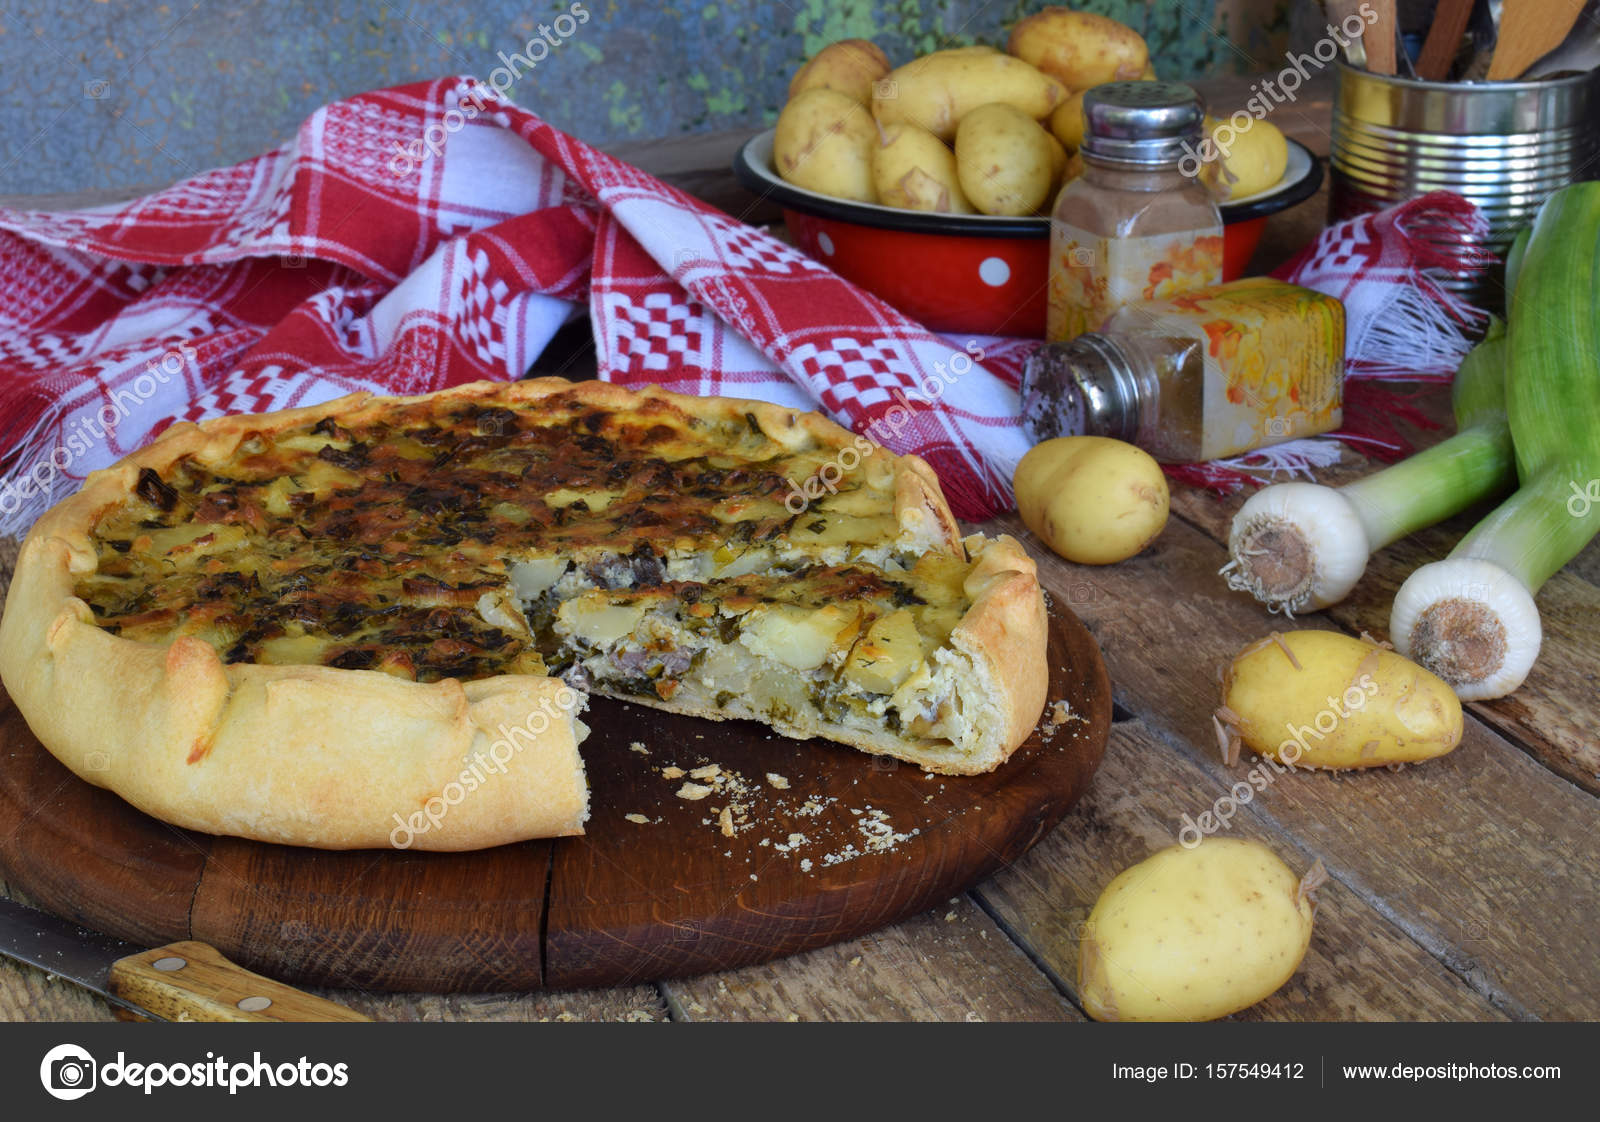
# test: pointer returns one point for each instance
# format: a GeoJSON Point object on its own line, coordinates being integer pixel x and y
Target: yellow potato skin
{"type": "Point", "coordinates": [936, 91]}
{"type": "Point", "coordinates": [1193, 934]}
{"type": "Point", "coordinates": [1348, 704]}
{"type": "Point", "coordinates": [913, 169]}
{"type": "Point", "coordinates": [1079, 49]}
{"type": "Point", "coordinates": [1004, 160]}
{"type": "Point", "coordinates": [1058, 160]}
{"type": "Point", "coordinates": [1067, 122]}
{"type": "Point", "coordinates": [1092, 499]}
{"type": "Point", "coordinates": [1256, 159]}
{"type": "Point", "coordinates": [824, 142]}
{"type": "Point", "coordinates": [849, 66]}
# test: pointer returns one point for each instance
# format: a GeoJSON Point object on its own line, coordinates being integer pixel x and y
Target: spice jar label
{"type": "Point", "coordinates": [1274, 357]}
{"type": "Point", "coordinates": [1091, 275]}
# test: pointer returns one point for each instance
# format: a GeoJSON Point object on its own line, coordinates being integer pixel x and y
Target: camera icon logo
{"type": "Point", "coordinates": [1278, 426]}
{"type": "Point", "coordinates": [68, 1072]}
{"type": "Point", "coordinates": [96, 89]}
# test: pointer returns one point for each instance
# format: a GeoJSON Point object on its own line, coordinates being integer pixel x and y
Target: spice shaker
{"type": "Point", "coordinates": [1133, 226]}
{"type": "Point", "coordinates": [1203, 374]}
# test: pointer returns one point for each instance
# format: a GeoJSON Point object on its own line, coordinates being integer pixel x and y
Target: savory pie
{"type": "Point", "coordinates": [307, 626]}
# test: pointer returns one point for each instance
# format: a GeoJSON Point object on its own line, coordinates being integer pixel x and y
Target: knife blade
{"type": "Point", "coordinates": [184, 981]}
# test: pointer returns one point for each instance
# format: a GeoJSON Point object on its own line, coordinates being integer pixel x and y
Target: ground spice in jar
{"type": "Point", "coordinates": [1133, 226]}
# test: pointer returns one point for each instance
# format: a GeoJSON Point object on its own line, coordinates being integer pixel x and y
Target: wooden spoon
{"type": "Point", "coordinates": [1444, 39]}
{"type": "Point", "coordinates": [1529, 30]}
{"type": "Point", "coordinates": [1379, 39]}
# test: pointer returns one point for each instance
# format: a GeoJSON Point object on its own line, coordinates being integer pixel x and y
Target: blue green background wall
{"type": "Point", "coordinates": [118, 93]}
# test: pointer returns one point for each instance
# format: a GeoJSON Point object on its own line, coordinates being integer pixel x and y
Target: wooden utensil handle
{"type": "Point", "coordinates": [191, 981]}
{"type": "Point", "coordinates": [1444, 39]}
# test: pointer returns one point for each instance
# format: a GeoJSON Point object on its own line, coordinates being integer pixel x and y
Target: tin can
{"type": "Point", "coordinates": [1506, 146]}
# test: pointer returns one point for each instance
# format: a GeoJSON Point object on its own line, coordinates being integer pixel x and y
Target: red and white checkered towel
{"type": "Point", "coordinates": [424, 236]}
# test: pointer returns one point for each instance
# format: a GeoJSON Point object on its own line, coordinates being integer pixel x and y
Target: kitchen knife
{"type": "Point", "coordinates": [187, 981]}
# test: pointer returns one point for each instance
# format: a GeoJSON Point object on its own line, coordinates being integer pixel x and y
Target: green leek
{"type": "Point", "coordinates": [1471, 618]}
{"type": "Point", "coordinates": [1302, 546]}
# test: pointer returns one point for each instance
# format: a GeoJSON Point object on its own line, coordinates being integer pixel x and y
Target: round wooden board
{"type": "Point", "coordinates": [851, 843]}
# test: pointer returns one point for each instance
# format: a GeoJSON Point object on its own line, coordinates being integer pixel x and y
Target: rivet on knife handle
{"type": "Point", "coordinates": [191, 981]}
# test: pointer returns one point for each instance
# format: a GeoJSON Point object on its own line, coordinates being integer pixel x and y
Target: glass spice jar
{"type": "Point", "coordinates": [1132, 226]}
{"type": "Point", "coordinates": [1203, 374]}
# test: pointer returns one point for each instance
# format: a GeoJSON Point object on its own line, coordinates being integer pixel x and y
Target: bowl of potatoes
{"type": "Point", "coordinates": [930, 184]}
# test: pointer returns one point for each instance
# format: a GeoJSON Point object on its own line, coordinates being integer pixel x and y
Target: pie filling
{"type": "Point", "coordinates": [643, 554]}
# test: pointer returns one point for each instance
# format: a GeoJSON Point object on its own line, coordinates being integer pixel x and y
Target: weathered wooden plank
{"type": "Point", "coordinates": [950, 964]}
{"type": "Point", "coordinates": [1360, 967]}
{"type": "Point", "coordinates": [620, 1003]}
{"type": "Point", "coordinates": [1484, 857]}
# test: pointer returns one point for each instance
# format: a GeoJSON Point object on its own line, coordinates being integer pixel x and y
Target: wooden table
{"type": "Point", "coordinates": [1464, 889]}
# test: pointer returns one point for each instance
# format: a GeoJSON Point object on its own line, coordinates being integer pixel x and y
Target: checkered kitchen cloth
{"type": "Point", "coordinates": [424, 236]}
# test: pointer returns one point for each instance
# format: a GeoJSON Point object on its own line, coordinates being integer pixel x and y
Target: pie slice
{"type": "Point", "coordinates": [380, 618]}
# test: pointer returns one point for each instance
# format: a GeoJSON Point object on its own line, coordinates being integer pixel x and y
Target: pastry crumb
{"type": "Point", "coordinates": [1061, 712]}
{"type": "Point", "coordinates": [671, 772]}
{"type": "Point", "coordinates": [805, 864]}
{"type": "Point", "coordinates": [693, 791]}
{"type": "Point", "coordinates": [638, 818]}
{"type": "Point", "coordinates": [638, 746]}
{"type": "Point", "coordinates": [710, 771]}
{"type": "Point", "coordinates": [725, 819]}
{"type": "Point", "coordinates": [778, 781]}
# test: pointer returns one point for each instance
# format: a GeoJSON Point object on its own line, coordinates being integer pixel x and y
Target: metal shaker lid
{"type": "Point", "coordinates": [1146, 123]}
{"type": "Point", "coordinates": [1085, 387]}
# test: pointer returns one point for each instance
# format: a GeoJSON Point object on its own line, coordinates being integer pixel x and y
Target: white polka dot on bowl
{"type": "Point", "coordinates": [994, 272]}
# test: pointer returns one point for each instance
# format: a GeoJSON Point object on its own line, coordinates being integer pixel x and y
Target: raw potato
{"type": "Point", "coordinates": [912, 168]}
{"type": "Point", "coordinates": [1067, 122]}
{"type": "Point", "coordinates": [1079, 49]}
{"type": "Point", "coordinates": [1004, 160]}
{"type": "Point", "coordinates": [1059, 161]}
{"type": "Point", "coordinates": [849, 66]}
{"type": "Point", "coordinates": [824, 142]}
{"type": "Point", "coordinates": [1324, 700]}
{"type": "Point", "coordinates": [936, 91]}
{"type": "Point", "coordinates": [1255, 159]}
{"type": "Point", "coordinates": [1092, 499]}
{"type": "Point", "coordinates": [1195, 933]}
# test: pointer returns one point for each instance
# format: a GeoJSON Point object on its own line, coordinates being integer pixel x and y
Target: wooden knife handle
{"type": "Point", "coordinates": [191, 981]}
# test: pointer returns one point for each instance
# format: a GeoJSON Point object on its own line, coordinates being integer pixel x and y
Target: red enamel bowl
{"type": "Point", "coordinates": [977, 273]}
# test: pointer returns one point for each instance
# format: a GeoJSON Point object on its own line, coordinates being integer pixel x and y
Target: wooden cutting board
{"type": "Point", "coordinates": [850, 844]}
